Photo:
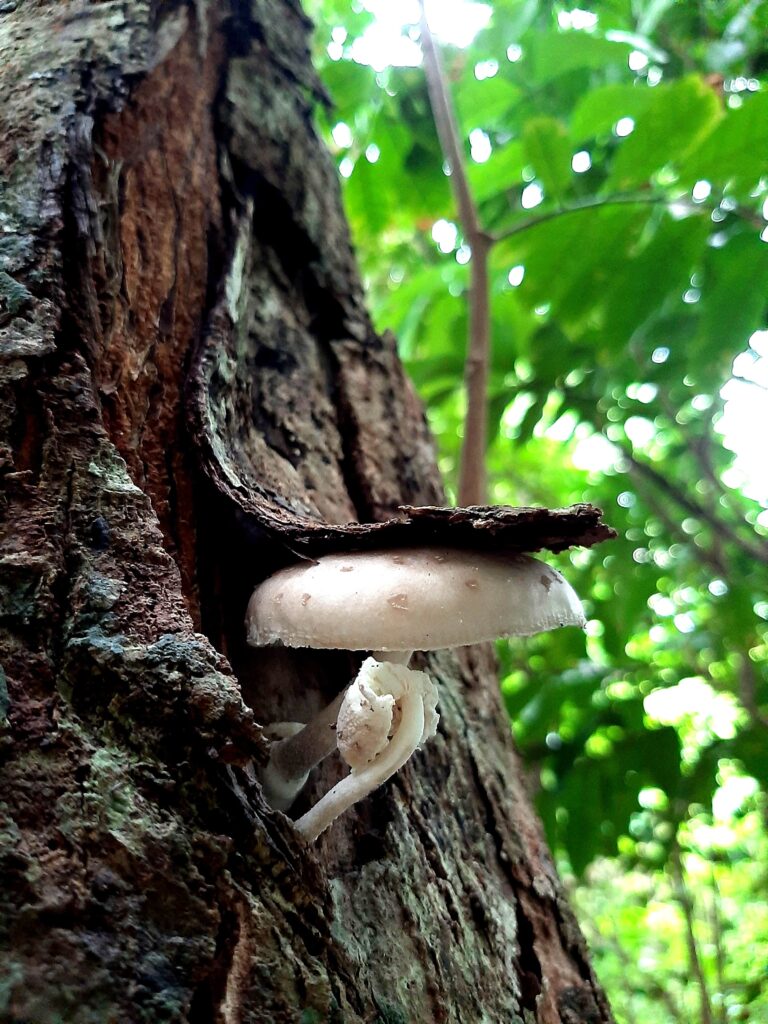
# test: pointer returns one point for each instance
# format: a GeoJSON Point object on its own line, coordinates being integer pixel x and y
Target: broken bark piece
{"type": "Point", "coordinates": [231, 463]}
{"type": "Point", "coordinates": [479, 527]}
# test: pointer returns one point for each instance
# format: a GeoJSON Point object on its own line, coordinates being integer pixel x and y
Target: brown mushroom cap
{"type": "Point", "coordinates": [409, 599]}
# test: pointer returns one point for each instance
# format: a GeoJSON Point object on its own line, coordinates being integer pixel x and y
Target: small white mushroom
{"type": "Point", "coordinates": [391, 603]}
{"type": "Point", "coordinates": [372, 743]}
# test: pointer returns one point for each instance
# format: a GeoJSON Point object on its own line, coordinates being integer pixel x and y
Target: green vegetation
{"type": "Point", "coordinates": [619, 154]}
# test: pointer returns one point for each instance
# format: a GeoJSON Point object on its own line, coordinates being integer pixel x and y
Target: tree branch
{"type": "Point", "coordinates": [748, 686]}
{"type": "Point", "coordinates": [645, 981]}
{"type": "Point", "coordinates": [694, 960]}
{"type": "Point", "coordinates": [627, 199]}
{"type": "Point", "coordinates": [693, 508]}
{"type": "Point", "coordinates": [700, 448]}
{"type": "Point", "coordinates": [719, 944]}
{"type": "Point", "coordinates": [711, 557]}
{"type": "Point", "coordinates": [748, 380]}
{"type": "Point", "coordinates": [472, 472]}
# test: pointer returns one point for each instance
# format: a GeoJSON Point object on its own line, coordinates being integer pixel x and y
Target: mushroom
{"type": "Point", "coordinates": [391, 603]}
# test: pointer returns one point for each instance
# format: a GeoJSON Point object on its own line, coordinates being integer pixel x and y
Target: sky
{"type": "Point", "coordinates": [455, 22]}
{"type": "Point", "coordinates": [744, 424]}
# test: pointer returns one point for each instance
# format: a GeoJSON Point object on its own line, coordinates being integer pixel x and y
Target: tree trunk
{"type": "Point", "coordinates": [186, 365]}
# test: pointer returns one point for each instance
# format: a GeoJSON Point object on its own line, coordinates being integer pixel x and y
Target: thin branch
{"type": "Point", "coordinates": [700, 448]}
{"type": "Point", "coordinates": [719, 944]}
{"type": "Point", "coordinates": [693, 508]}
{"type": "Point", "coordinates": [712, 558]}
{"type": "Point", "coordinates": [472, 473]}
{"type": "Point", "coordinates": [694, 961]}
{"type": "Point", "coordinates": [472, 470]}
{"type": "Point", "coordinates": [748, 380]}
{"type": "Point", "coordinates": [625, 199]}
{"type": "Point", "coordinates": [748, 687]}
{"type": "Point", "coordinates": [590, 203]}
{"type": "Point", "coordinates": [646, 983]}
{"type": "Point", "coordinates": [447, 127]}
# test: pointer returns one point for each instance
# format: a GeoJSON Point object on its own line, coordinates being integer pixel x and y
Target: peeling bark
{"type": "Point", "coordinates": [172, 253]}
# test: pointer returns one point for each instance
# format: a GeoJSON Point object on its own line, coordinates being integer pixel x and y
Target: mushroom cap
{"type": "Point", "coordinates": [409, 600]}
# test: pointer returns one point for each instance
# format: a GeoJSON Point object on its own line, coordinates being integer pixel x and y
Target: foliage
{"type": "Point", "coordinates": [617, 152]}
{"type": "Point", "coordinates": [636, 925]}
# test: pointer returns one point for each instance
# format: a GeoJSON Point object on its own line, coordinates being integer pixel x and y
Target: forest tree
{"type": "Point", "coordinates": [193, 396]}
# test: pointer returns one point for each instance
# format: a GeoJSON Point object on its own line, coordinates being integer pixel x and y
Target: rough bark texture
{"type": "Point", "coordinates": [173, 251]}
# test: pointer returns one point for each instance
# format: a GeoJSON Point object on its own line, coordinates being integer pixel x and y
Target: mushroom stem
{"type": "Point", "coordinates": [300, 748]}
{"type": "Point", "coordinates": [382, 695]}
{"type": "Point", "coordinates": [292, 759]}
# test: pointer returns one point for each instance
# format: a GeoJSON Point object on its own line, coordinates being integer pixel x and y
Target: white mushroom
{"type": "Point", "coordinates": [391, 603]}
{"type": "Point", "coordinates": [381, 694]}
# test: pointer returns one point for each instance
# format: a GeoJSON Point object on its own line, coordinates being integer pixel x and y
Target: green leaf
{"type": "Point", "coordinates": [735, 153]}
{"type": "Point", "coordinates": [750, 748]}
{"type": "Point", "coordinates": [733, 296]}
{"type": "Point", "coordinates": [511, 18]}
{"type": "Point", "coordinates": [599, 110]}
{"type": "Point", "coordinates": [583, 798]}
{"type": "Point", "coordinates": [656, 755]}
{"type": "Point", "coordinates": [511, 330]}
{"type": "Point", "coordinates": [485, 104]}
{"type": "Point", "coordinates": [444, 330]}
{"type": "Point", "coordinates": [672, 124]}
{"type": "Point", "coordinates": [658, 271]}
{"type": "Point", "coordinates": [501, 172]}
{"type": "Point", "coordinates": [549, 153]}
{"type": "Point", "coordinates": [547, 56]}
{"type": "Point", "coordinates": [404, 306]}
{"type": "Point", "coordinates": [367, 201]}
{"type": "Point", "coordinates": [346, 82]}
{"type": "Point", "coordinates": [531, 418]}
{"type": "Point", "coordinates": [590, 244]}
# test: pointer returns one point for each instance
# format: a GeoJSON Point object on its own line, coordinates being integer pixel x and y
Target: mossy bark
{"type": "Point", "coordinates": [166, 206]}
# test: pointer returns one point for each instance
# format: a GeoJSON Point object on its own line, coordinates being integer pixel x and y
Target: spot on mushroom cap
{"type": "Point", "coordinates": [410, 599]}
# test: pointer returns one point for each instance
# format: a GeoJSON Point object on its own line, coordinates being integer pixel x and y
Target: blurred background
{"type": "Point", "coordinates": [618, 152]}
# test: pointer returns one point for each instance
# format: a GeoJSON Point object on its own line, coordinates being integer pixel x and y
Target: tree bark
{"type": "Point", "coordinates": [179, 310]}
